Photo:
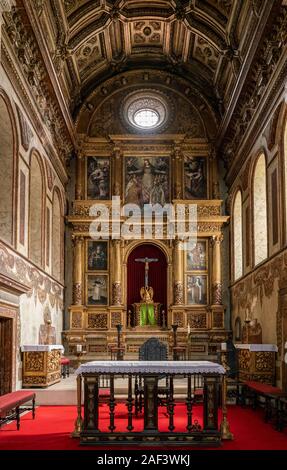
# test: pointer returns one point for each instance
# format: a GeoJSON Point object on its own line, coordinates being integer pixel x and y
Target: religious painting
{"type": "Point", "coordinates": [195, 178]}
{"type": "Point", "coordinates": [97, 255]}
{"type": "Point", "coordinates": [97, 289]}
{"type": "Point", "coordinates": [196, 257]}
{"type": "Point", "coordinates": [98, 178]}
{"type": "Point", "coordinates": [147, 180]}
{"type": "Point", "coordinates": [196, 290]}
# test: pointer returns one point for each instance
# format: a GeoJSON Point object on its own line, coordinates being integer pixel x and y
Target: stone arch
{"type": "Point", "coordinates": [259, 205]}
{"type": "Point", "coordinates": [57, 234]}
{"type": "Point", "coordinates": [37, 197]}
{"type": "Point", "coordinates": [237, 225]}
{"type": "Point", "coordinates": [8, 152]}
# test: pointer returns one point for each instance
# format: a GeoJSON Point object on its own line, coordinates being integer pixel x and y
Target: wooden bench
{"type": "Point", "coordinates": [253, 390]}
{"type": "Point", "coordinates": [11, 402]}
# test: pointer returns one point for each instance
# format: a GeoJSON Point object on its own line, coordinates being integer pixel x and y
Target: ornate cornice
{"type": "Point", "coordinates": [38, 79]}
{"type": "Point", "coordinates": [266, 81]}
{"type": "Point", "coordinates": [29, 105]}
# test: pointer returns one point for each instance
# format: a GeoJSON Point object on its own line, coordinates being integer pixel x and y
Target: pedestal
{"type": "Point", "coordinates": [257, 362]}
{"type": "Point", "coordinates": [41, 365]}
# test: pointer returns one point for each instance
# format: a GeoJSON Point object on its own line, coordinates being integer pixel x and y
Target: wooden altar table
{"type": "Point", "coordinates": [88, 427]}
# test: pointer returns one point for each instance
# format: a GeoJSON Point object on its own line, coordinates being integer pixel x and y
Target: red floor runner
{"type": "Point", "coordinates": [53, 424]}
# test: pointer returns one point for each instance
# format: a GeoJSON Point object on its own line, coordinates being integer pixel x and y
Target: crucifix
{"type": "Point", "coordinates": [146, 261]}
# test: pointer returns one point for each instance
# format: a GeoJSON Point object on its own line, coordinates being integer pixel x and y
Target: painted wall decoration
{"type": "Point", "coordinates": [196, 257]}
{"type": "Point", "coordinates": [97, 255]}
{"type": "Point", "coordinates": [147, 180]}
{"type": "Point", "coordinates": [195, 177]}
{"type": "Point", "coordinates": [98, 178]}
{"type": "Point", "coordinates": [196, 290]}
{"type": "Point", "coordinates": [97, 289]}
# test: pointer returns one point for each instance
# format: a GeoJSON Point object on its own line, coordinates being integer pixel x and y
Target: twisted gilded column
{"type": "Point", "coordinates": [216, 270]}
{"type": "Point", "coordinates": [117, 273]}
{"type": "Point", "coordinates": [78, 271]}
{"type": "Point", "coordinates": [178, 273]}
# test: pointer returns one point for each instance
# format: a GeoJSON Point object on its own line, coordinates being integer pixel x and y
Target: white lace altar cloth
{"type": "Point", "coordinates": [258, 347]}
{"type": "Point", "coordinates": [150, 367]}
{"type": "Point", "coordinates": [41, 347]}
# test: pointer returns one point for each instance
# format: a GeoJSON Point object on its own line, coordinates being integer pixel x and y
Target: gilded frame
{"type": "Point", "coordinates": [95, 270]}
{"type": "Point", "coordinates": [203, 275]}
{"type": "Point", "coordinates": [96, 275]}
{"type": "Point", "coordinates": [100, 157]}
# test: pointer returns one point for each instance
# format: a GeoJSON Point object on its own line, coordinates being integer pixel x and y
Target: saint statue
{"type": "Point", "coordinates": [47, 332]}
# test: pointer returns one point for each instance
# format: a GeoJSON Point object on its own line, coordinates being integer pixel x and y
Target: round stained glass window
{"type": "Point", "coordinates": [146, 118]}
{"type": "Point", "coordinates": [145, 111]}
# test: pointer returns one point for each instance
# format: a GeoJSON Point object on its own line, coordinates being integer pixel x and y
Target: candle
{"type": "Point", "coordinates": [79, 348]}
{"type": "Point", "coordinates": [188, 328]}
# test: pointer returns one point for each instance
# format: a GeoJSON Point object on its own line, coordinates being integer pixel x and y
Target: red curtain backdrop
{"type": "Point", "coordinates": [157, 274]}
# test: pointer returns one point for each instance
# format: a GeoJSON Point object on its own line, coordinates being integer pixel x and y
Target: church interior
{"type": "Point", "coordinates": [143, 230]}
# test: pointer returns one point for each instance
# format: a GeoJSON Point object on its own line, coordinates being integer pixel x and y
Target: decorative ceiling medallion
{"type": "Point", "coordinates": [146, 111]}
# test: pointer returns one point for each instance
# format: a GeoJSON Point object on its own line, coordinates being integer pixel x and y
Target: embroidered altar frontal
{"type": "Point", "coordinates": [150, 384]}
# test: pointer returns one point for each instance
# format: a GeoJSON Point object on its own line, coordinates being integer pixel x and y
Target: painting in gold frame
{"type": "Point", "coordinates": [147, 180]}
{"type": "Point", "coordinates": [195, 177]}
{"type": "Point", "coordinates": [197, 289]}
{"type": "Point", "coordinates": [197, 256]}
{"type": "Point", "coordinates": [98, 175]}
{"type": "Point", "coordinates": [97, 255]}
{"type": "Point", "coordinates": [97, 288]}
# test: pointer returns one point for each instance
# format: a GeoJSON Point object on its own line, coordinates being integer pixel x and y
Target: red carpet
{"type": "Point", "coordinates": [53, 424]}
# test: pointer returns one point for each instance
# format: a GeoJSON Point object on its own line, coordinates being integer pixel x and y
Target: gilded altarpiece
{"type": "Point", "coordinates": [129, 167]}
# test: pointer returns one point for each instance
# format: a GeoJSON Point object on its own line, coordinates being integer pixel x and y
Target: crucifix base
{"type": "Point", "coordinates": [137, 315]}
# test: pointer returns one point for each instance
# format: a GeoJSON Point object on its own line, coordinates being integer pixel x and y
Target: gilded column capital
{"type": "Point", "coordinates": [217, 239]}
{"type": "Point", "coordinates": [76, 239]}
{"type": "Point", "coordinates": [117, 152]}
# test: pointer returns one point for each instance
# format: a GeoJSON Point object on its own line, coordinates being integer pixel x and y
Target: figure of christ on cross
{"type": "Point", "coordinates": [147, 316]}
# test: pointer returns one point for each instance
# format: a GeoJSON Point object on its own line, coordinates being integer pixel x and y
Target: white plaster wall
{"type": "Point", "coordinates": [31, 316]}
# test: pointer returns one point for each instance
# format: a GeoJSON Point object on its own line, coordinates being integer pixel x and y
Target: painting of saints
{"type": "Point", "coordinates": [97, 290]}
{"type": "Point", "coordinates": [97, 256]}
{"type": "Point", "coordinates": [195, 178]}
{"type": "Point", "coordinates": [147, 181]}
{"type": "Point", "coordinates": [196, 257]}
{"type": "Point", "coordinates": [98, 178]}
{"type": "Point", "coordinates": [197, 290]}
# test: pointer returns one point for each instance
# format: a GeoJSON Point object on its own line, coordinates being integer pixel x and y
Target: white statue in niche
{"type": "Point", "coordinates": [47, 332]}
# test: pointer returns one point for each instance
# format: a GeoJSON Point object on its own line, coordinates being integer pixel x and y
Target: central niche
{"type": "Point", "coordinates": [145, 110]}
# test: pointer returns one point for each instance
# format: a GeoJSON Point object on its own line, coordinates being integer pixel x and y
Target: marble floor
{"type": "Point", "coordinates": [65, 393]}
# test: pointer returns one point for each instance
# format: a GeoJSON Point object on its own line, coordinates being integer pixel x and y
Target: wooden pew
{"type": "Point", "coordinates": [11, 402]}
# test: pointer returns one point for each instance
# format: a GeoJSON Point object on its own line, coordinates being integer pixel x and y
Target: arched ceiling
{"type": "Point", "coordinates": [197, 39]}
{"type": "Point", "coordinates": [224, 52]}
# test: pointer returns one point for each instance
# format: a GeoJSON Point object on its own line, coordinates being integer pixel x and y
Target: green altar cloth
{"type": "Point", "coordinates": [147, 316]}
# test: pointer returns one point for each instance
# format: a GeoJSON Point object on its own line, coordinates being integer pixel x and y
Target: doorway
{"type": "Point", "coordinates": [6, 355]}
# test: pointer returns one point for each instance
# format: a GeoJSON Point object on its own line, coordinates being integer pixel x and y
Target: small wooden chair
{"type": "Point", "coordinates": [65, 367]}
{"type": "Point", "coordinates": [151, 350]}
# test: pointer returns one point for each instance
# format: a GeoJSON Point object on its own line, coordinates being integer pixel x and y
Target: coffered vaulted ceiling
{"type": "Point", "coordinates": [90, 40]}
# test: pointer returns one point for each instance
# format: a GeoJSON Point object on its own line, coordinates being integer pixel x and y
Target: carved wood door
{"type": "Point", "coordinates": [6, 351]}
